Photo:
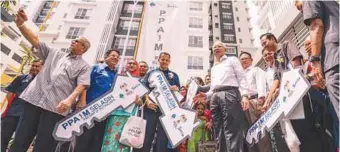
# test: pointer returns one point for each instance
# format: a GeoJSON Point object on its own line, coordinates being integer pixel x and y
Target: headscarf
{"type": "Point", "coordinates": [134, 73]}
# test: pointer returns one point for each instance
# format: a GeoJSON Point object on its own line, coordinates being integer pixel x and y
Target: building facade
{"type": "Point", "coordinates": [231, 25]}
{"type": "Point", "coordinates": [180, 28]}
{"type": "Point", "coordinates": [280, 18]}
{"type": "Point", "coordinates": [14, 49]}
{"type": "Point", "coordinates": [96, 20]}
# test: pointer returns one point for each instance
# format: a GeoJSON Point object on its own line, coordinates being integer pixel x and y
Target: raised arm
{"type": "Point", "coordinates": [20, 19]}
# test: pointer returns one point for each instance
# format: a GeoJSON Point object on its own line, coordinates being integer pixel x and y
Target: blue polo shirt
{"type": "Point", "coordinates": [171, 76]}
{"type": "Point", "coordinates": [102, 79]}
{"type": "Point", "coordinates": [18, 85]}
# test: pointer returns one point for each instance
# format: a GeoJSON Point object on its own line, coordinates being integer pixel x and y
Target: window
{"type": "Point", "coordinates": [129, 8]}
{"type": "Point", "coordinates": [5, 49]}
{"type": "Point", "coordinates": [40, 19]}
{"type": "Point", "coordinates": [195, 41]}
{"type": "Point", "coordinates": [215, 4]}
{"type": "Point", "coordinates": [119, 43]}
{"type": "Point", "coordinates": [10, 33]}
{"type": "Point", "coordinates": [228, 26]}
{"type": "Point", "coordinates": [65, 15]}
{"type": "Point", "coordinates": [75, 32]}
{"type": "Point", "coordinates": [226, 5]}
{"type": "Point", "coordinates": [195, 63]}
{"type": "Point", "coordinates": [195, 22]}
{"type": "Point", "coordinates": [83, 13]}
{"type": "Point", "coordinates": [240, 40]}
{"type": "Point", "coordinates": [44, 12]}
{"type": "Point", "coordinates": [124, 24]}
{"type": "Point", "coordinates": [196, 6]}
{"type": "Point", "coordinates": [216, 25]}
{"type": "Point", "coordinates": [237, 19]}
{"type": "Point", "coordinates": [229, 38]}
{"type": "Point", "coordinates": [17, 58]}
{"type": "Point", "coordinates": [226, 15]}
{"type": "Point", "coordinates": [48, 4]}
{"type": "Point", "coordinates": [217, 38]}
{"type": "Point", "coordinates": [236, 9]}
{"type": "Point", "coordinates": [231, 50]}
{"type": "Point", "coordinates": [239, 29]}
{"type": "Point", "coordinates": [59, 27]}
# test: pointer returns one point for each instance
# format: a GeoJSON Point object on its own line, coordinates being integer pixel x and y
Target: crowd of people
{"type": "Point", "coordinates": [232, 96]}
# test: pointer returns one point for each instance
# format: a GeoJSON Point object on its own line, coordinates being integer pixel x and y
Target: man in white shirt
{"type": "Point", "coordinates": [229, 98]}
{"type": "Point", "coordinates": [257, 92]}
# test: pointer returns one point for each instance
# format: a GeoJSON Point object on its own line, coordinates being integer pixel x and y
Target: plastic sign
{"type": "Point", "coordinates": [192, 90]}
{"type": "Point", "coordinates": [123, 94]}
{"type": "Point", "coordinates": [177, 122]}
{"type": "Point", "coordinates": [293, 87]}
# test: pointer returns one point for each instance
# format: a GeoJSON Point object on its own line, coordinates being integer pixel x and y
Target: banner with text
{"type": "Point", "coordinates": [293, 87]}
{"type": "Point", "coordinates": [161, 30]}
{"type": "Point", "coordinates": [123, 94]}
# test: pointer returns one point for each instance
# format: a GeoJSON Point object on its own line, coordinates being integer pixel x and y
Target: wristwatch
{"type": "Point", "coordinates": [315, 59]}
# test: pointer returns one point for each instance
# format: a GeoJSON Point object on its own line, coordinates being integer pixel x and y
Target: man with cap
{"type": "Point", "coordinates": [50, 96]}
{"type": "Point", "coordinates": [228, 96]}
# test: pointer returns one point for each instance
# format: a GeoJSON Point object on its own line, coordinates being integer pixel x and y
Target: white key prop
{"type": "Point", "coordinates": [123, 94]}
{"type": "Point", "coordinates": [292, 88]}
{"type": "Point", "coordinates": [178, 123]}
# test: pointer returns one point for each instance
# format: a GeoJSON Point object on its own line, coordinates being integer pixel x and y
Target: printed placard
{"type": "Point", "coordinates": [123, 94]}
{"type": "Point", "coordinates": [293, 87]}
{"type": "Point", "coordinates": [178, 123]}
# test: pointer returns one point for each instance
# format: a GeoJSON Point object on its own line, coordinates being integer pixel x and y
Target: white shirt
{"type": "Point", "coordinates": [269, 78]}
{"type": "Point", "coordinates": [228, 72]}
{"type": "Point", "coordinates": [256, 81]}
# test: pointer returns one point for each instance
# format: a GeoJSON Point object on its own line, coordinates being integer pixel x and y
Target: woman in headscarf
{"type": "Point", "coordinates": [119, 117]}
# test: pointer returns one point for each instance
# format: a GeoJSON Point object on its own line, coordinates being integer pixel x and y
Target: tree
{"type": "Point", "coordinates": [27, 59]}
{"type": "Point", "coordinates": [5, 4]}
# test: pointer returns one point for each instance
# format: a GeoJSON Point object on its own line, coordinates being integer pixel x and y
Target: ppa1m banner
{"type": "Point", "coordinates": [123, 94]}
{"type": "Point", "coordinates": [293, 87]}
{"type": "Point", "coordinates": [178, 123]}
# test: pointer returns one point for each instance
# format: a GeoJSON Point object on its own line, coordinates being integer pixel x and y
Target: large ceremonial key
{"type": "Point", "coordinates": [123, 94]}
{"type": "Point", "coordinates": [177, 122]}
{"type": "Point", "coordinates": [292, 88]}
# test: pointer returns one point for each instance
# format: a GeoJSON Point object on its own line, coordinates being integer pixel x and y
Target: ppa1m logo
{"type": "Point", "coordinates": [289, 89]}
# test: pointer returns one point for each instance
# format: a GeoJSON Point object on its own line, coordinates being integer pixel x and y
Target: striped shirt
{"type": "Point", "coordinates": [61, 74]}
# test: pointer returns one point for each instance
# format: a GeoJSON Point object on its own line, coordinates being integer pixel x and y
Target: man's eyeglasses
{"type": "Point", "coordinates": [77, 41]}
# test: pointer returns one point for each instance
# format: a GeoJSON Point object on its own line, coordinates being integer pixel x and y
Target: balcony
{"type": "Point", "coordinates": [5, 16]}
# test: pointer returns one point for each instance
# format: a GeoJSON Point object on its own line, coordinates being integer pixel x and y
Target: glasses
{"type": "Point", "coordinates": [77, 41]}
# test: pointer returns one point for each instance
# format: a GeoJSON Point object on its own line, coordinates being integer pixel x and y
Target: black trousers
{"type": "Point", "coordinates": [38, 122]}
{"type": "Point", "coordinates": [228, 120]}
{"type": "Point", "coordinates": [91, 140]}
{"type": "Point", "coordinates": [8, 126]}
{"type": "Point", "coordinates": [153, 124]}
{"type": "Point", "coordinates": [332, 84]}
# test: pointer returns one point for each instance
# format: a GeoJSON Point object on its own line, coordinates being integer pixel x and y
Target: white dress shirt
{"type": "Point", "coordinates": [269, 78]}
{"type": "Point", "coordinates": [228, 72]}
{"type": "Point", "coordinates": [256, 81]}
